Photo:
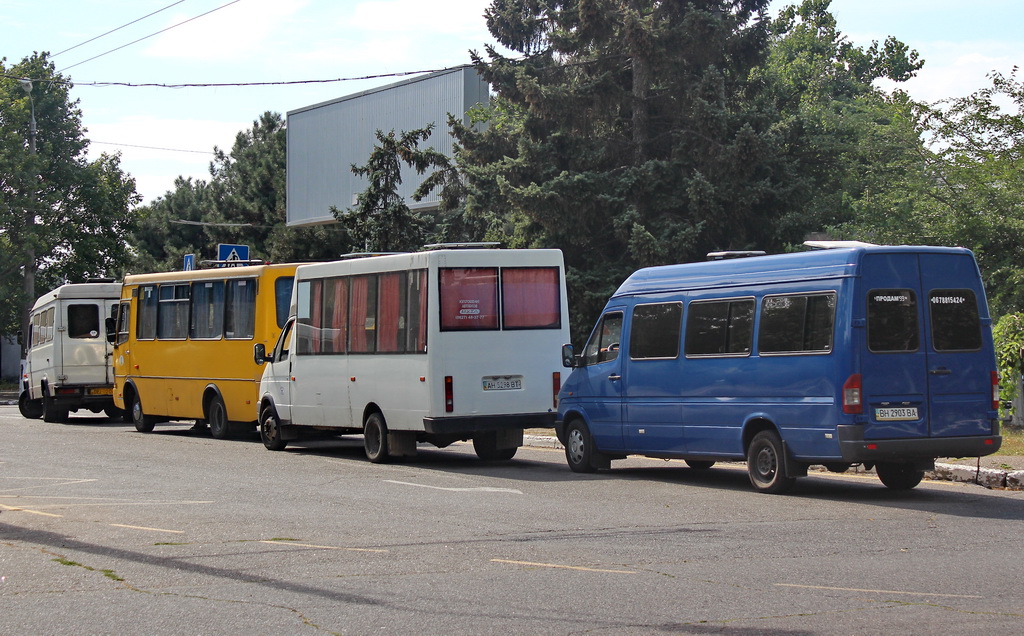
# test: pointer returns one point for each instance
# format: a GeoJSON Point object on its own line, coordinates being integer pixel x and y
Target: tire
{"type": "Point", "coordinates": [270, 430]}
{"type": "Point", "coordinates": [375, 439]}
{"type": "Point", "coordinates": [486, 447]}
{"type": "Point", "coordinates": [114, 413]}
{"type": "Point", "coordinates": [30, 409]}
{"type": "Point", "coordinates": [143, 423]}
{"type": "Point", "coordinates": [898, 476]}
{"type": "Point", "coordinates": [766, 465]}
{"type": "Point", "coordinates": [579, 447]}
{"type": "Point", "coordinates": [699, 464]}
{"type": "Point", "coordinates": [217, 418]}
{"type": "Point", "coordinates": [53, 413]}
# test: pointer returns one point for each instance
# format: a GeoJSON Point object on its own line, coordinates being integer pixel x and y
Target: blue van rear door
{"type": "Point", "coordinates": [894, 365]}
{"type": "Point", "coordinates": [960, 358]}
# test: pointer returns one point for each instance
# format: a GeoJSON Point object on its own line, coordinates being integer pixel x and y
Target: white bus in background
{"type": "Point", "coordinates": [67, 367]}
{"type": "Point", "coordinates": [436, 346]}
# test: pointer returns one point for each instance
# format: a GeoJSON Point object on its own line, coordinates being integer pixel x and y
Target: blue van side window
{"type": "Point", "coordinates": [605, 341]}
{"type": "Point", "coordinates": [956, 325]}
{"type": "Point", "coordinates": [892, 321]}
{"type": "Point", "coordinates": [655, 331]}
{"type": "Point", "coordinates": [720, 328]}
{"type": "Point", "coordinates": [799, 323]}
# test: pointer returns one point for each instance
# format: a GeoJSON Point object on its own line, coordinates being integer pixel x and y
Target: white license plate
{"type": "Point", "coordinates": [503, 384]}
{"type": "Point", "coordinates": [896, 414]}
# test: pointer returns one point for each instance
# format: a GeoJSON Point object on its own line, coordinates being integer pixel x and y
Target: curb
{"type": "Point", "coordinates": [990, 478]}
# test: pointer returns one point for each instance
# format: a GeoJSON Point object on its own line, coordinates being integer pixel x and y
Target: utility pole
{"type": "Point", "coordinates": [29, 234]}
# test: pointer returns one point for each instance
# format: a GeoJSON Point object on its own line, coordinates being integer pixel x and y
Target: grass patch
{"type": "Point", "coordinates": [1013, 441]}
{"type": "Point", "coordinates": [110, 574]}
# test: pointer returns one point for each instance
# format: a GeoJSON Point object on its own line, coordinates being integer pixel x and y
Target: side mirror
{"type": "Point", "coordinates": [259, 353]}
{"type": "Point", "coordinates": [111, 327]}
{"type": "Point", "coordinates": [569, 360]}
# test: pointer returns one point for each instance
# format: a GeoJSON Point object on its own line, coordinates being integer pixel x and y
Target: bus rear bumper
{"type": "Point", "coordinates": [484, 423]}
{"type": "Point", "coordinates": [856, 449]}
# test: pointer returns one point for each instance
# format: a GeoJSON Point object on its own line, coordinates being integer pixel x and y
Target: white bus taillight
{"type": "Point", "coordinates": [556, 386]}
{"type": "Point", "coordinates": [852, 402]}
{"type": "Point", "coordinates": [995, 391]}
{"type": "Point", "coordinates": [449, 394]}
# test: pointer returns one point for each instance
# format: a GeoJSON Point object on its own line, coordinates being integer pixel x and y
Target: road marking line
{"type": "Point", "coordinates": [855, 589]}
{"type": "Point", "coordinates": [475, 489]}
{"type": "Point", "coordinates": [562, 567]}
{"type": "Point", "coordinates": [321, 547]}
{"type": "Point", "coordinates": [33, 512]}
{"type": "Point", "coordinates": [121, 525]}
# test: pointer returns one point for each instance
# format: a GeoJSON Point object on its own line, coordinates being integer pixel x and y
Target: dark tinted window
{"type": "Point", "coordinates": [146, 323]}
{"type": "Point", "coordinates": [720, 328]}
{"type": "Point", "coordinates": [83, 321]}
{"type": "Point", "coordinates": [605, 341]}
{"type": "Point", "coordinates": [172, 318]}
{"type": "Point", "coordinates": [796, 323]}
{"type": "Point", "coordinates": [956, 325]}
{"type": "Point", "coordinates": [283, 298]}
{"type": "Point", "coordinates": [892, 320]}
{"type": "Point", "coordinates": [655, 331]}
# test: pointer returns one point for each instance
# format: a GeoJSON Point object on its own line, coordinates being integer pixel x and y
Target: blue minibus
{"type": "Point", "coordinates": [879, 356]}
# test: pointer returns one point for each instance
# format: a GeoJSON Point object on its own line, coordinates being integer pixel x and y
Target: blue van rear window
{"type": "Point", "coordinates": [720, 328]}
{"type": "Point", "coordinates": [956, 325]}
{"type": "Point", "coordinates": [892, 321]}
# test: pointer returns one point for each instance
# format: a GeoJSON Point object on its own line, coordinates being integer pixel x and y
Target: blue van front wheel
{"type": "Point", "coordinates": [766, 464]}
{"type": "Point", "coordinates": [579, 447]}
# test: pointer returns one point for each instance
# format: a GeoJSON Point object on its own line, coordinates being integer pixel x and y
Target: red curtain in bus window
{"type": "Point", "coordinates": [389, 308]}
{"type": "Point", "coordinates": [421, 342]}
{"type": "Point", "coordinates": [337, 327]}
{"type": "Point", "coordinates": [316, 318]}
{"type": "Point", "coordinates": [469, 298]}
{"type": "Point", "coordinates": [530, 298]}
{"type": "Point", "coordinates": [357, 314]}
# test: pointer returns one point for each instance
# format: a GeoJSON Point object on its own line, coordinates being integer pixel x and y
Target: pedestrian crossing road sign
{"type": "Point", "coordinates": [228, 252]}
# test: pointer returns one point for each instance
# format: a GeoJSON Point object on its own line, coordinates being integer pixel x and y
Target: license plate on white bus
{"type": "Point", "coordinates": [896, 414]}
{"type": "Point", "coordinates": [503, 383]}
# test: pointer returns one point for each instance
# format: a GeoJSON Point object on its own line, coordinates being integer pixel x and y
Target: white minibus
{"type": "Point", "coordinates": [437, 346]}
{"type": "Point", "coordinates": [67, 366]}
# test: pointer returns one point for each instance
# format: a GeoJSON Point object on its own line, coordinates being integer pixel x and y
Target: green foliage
{"type": "Point", "coordinates": [1008, 334]}
{"type": "Point", "coordinates": [381, 221]}
{"type": "Point", "coordinates": [63, 218]}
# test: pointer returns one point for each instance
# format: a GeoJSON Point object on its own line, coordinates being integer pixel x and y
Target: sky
{"type": "Point", "coordinates": [164, 133]}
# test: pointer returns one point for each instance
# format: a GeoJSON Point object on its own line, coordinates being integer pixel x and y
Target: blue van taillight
{"type": "Point", "coordinates": [995, 391]}
{"type": "Point", "coordinates": [852, 402]}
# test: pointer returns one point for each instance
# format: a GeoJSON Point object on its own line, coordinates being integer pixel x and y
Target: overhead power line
{"type": "Point", "coordinates": [112, 143]}
{"type": "Point", "coordinates": [151, 35]}
{"type": "Point", "coordinates": [117, 29]}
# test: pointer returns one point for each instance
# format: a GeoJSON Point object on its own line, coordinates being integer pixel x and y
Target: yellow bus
{"type": "Point", "coordinates": [183, 343]}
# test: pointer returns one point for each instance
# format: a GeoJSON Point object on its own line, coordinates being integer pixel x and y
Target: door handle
{"type": "Point", "coordinates": [940, 371]}
{"type": "Point", "coordinates": [614, 377]}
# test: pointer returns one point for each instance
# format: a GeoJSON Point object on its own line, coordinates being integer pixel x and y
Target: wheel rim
{"type": "Point", "coordinates": [137, 411]}
{"type": "Point", "coordinates": [766, 463]}
{"type": "Point", "coordinates": [217, 417]}
{"type": "Point", "coordinates": [576, 447]}
{"type": "Point", "coordinates": [270, 429]}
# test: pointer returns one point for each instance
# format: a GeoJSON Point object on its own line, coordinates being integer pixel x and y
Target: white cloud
{"type": "Point", "coordinates": [232, 33]}
{"type": "Point", "coordinates": [453, 17]}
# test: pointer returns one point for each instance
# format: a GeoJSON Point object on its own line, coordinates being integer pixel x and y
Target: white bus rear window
{"type": "Point", "coordinates": [530, 298]}
{"type": "Point", "coordinates": [469, 298]}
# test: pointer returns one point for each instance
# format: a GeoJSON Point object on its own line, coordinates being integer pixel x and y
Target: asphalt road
{"type": "Point", "coordinates": [104, 530]}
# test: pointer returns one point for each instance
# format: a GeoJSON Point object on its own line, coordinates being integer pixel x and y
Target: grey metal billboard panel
{"type": "Point", "coordinates": [325, 139]}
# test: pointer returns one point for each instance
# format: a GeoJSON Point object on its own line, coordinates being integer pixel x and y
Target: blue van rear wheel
{"type": "Point", "coordinates": [766, 464]}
